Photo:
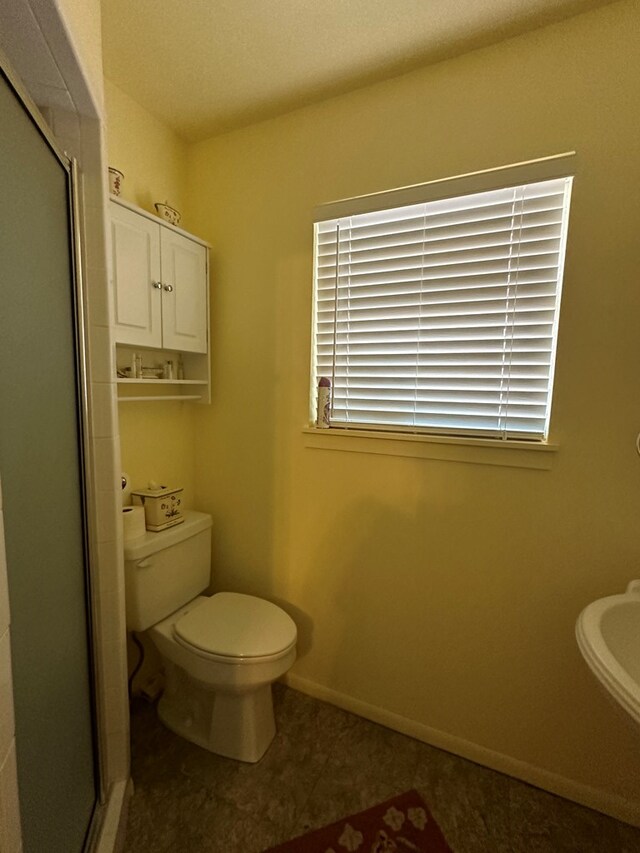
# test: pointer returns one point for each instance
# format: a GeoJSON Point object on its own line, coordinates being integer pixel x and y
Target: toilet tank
{"type": "Point", "coordinates": [165, 570]}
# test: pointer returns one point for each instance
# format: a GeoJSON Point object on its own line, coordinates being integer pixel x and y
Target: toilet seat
{"type": "Point", "coordinates": [233, 628]}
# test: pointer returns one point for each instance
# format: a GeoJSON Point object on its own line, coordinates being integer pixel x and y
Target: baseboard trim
{"type": "Point", "coordinates": [114, 826]}
{"type": "Point", "coordinates": [594, 798]}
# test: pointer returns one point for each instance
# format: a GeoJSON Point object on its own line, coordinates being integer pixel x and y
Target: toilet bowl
{"type": "Point", "coordinates": [232, 712]}
{"type": "Point", "coordinates": [221, 653]}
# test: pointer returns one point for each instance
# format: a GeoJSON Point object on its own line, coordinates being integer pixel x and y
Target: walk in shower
{"type": "Point", "coordinates": [42, 479]}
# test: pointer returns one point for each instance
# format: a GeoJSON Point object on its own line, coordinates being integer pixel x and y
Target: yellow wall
{"type": "Point", "coordinates": [149, 154]}
{"type": "Point", "coordinates": [157, 439]}
{"type": "Point", "coordinates": [157, 442]}
{"type": "Point", "coordinates": [83, 19]}
{"type": "Point", "coordinates": [443, 592]}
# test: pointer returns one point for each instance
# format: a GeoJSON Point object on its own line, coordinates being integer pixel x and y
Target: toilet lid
{"type": "Point", "coordinates": [234, 625]}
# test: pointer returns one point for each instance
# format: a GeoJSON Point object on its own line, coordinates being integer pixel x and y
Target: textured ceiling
{"type": "Point", "coordinates": [206, 66]}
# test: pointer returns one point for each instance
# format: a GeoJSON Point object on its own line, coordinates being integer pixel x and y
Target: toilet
{"type": "Point", "coordinates": [221, 653]}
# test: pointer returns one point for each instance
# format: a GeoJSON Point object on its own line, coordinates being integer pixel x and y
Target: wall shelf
{"type": "Point", "coordinates": [147, 384]}
{"type": "Point", "coordinates": [195, 388]}
{"type": "Point", "coordinates": [162, 381]}
{"type": "Point", "coordinates": [164, 397]}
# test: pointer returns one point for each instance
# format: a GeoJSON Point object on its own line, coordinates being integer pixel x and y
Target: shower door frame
{"type": "Point", "coordinates": [87, 486]}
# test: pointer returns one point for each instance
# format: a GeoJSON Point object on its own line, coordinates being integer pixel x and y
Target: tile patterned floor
{"type": "Point", "coordinates": [325, 764]}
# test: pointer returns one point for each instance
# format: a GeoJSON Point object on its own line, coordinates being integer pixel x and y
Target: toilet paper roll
{"type": "Point", "coordinates": [133, 522]}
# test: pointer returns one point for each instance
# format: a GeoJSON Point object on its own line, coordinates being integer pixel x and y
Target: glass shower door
{"type": "Point", "coordinates": [42, 486]}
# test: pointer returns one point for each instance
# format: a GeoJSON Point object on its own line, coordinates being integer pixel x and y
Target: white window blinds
{"type": "Point", "coordinates": [441, 317]}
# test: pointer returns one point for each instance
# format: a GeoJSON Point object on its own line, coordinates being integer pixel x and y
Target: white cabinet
{"type": "Point", "coordinates": [159, 283]}
{"type": "Point", "coordinates": [183, 267]}
{"type": "Point", "coordinates": [160, 291]}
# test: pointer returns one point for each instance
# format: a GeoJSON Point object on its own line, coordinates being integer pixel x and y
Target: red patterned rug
{"type": "Point", "coordinates": [401, 825]}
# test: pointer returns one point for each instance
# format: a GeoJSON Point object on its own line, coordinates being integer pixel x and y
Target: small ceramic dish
{"type": "Point", "coordinates": [170, 214]}
{"type": "Point", "coordinates": [115, 180]}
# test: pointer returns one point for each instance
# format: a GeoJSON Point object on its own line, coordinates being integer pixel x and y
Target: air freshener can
{"type": "Point", "coordinates": [324, 403]}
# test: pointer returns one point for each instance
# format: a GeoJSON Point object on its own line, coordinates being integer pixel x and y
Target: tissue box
{"type": "Point", "coordinates": [162, 507]}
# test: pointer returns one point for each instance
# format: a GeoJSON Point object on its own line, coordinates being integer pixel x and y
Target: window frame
{"type": "Point", "coordinates": [528, 172]}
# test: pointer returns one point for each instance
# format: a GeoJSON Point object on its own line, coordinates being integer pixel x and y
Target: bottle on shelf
{"type": "Point", "coordinates": [323, 420]}
{"type": "Point", "coordinates": [136, 366]}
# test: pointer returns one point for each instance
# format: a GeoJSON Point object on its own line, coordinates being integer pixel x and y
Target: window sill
{"type": "Point", "coordinates": [479, 451]}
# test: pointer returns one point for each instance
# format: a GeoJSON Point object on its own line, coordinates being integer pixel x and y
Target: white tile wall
{"type": "Point", "coordinates": [48, 62]}
{"type": "Point", "coordinates": [7, 722]}
{"type": "Point", "coordinates": [43, 94]}
{"type": "Point", "coordinates": [51, 22]}
{"type": "Point", "coordinates": [101, 228]}
{"type": "Point", "coordinates": [105, 462]}
{"type": "Point", "coordinates": [65, 124]}
{"type": "Point", "coordinates": [30, 54]}
{"type": "Point", "coordinates": [108, 524]}
{"type": "Point", "coordinates": [108, 567]}
{"type": "Point", "coordinates": [10, 834]}
{"type": "Point", "coordinates": [112, 593]}
{"type": "Point", "coordinates": [101, 353]}
{"type": "Point", "coordinates": [4, 587]}
{"type": "Point", "coordinates": [82, 138]}
{"type": "Point", "coordinates": [104, 417]}
{"type": "Point", "coordinates": [98, 307]}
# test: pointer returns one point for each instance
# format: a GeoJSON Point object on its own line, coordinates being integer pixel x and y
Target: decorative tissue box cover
{"type": "Point", "coordinates": [162, 507]}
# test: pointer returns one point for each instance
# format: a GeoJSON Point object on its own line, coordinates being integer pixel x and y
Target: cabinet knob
{"type": "Point", "coordinates": [157, 285]}
{"type": "Point", "coordinates": [168, 288]}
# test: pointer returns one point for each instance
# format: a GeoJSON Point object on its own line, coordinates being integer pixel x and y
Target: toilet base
{"type": "Point", "coordinates": [236, 725]}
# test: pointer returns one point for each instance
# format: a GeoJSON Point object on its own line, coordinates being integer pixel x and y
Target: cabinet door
{"type": "Point", "coordinates": [135, 282]}
{"type": "Point", "coordinates": [185, 290]}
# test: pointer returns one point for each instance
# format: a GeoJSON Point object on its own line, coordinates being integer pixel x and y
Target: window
{"type": "Point", "coordinates": [441, 315]}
